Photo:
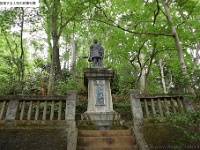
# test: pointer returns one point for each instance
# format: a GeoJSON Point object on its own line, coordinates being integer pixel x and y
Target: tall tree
{"type": "Point", "coordinates": [178, 46]}
{"type": "Point", "coordinates": [59, 15]}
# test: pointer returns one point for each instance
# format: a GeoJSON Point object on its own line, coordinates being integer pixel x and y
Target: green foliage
{"type": "Point", "coordinates": [61, 86]}
{"type": "Point", "coordinates": [196, 82]}
{"type": "Point", "coordinates": [3, 80]}
{"type": "Point", "coordinates": [124, 108]}
{"type": "Point", "coordinates": [189, 126]}
{"type": "Point", "coordinates": [76, 84]}
{"type": "Point", "coordinates": [122, 82]}
{"type": "Point", "coordinates": [81, 107]}
{"type": "Point", "coordinates": [126, 30]}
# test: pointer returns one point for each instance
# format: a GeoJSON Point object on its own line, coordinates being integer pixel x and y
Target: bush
{"type": "Point", "coordinates": [61, 86]}
{"type": "Point", "coordinates": [189, 126]}
{"type": "Point", "coordinates": [124, 108]}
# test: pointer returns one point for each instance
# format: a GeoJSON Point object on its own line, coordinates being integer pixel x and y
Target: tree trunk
{"type": "Point", "coordinates": [196, 62]}
{"type": "Point", "coordinates": [55, 33]}
{"type": "Point", "coordinates": [73, 54]}
{"type": "Point", "coordinates": [55, 65]}
{"type": "Point", "coordinates": [143, 74]}
{"type": "Point", "coordinates": [178, 46]}
{"type": "Point", "coordinates": [162, 75]}
{"type": "Point", "coordinates": [51, 81]}
{"type": "Point", "coordinates": [22, 68]}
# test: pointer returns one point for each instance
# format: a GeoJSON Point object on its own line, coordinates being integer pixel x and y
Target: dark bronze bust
{"type": "Point", "coordinates": [96, 54]}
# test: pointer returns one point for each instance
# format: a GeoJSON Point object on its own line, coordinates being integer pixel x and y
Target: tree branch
{"type": "Point", "coordinates": [113, 24]}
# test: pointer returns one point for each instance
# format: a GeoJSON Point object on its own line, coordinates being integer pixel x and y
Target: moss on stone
{"type": "Point", "coordinates": [86, 125]}
{"type": "Point", "coordinates": [118, 125]}
{"type": "Point", "coordinates": [160, 134]}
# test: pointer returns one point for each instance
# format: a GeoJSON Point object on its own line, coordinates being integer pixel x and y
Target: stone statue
{"type": "Point", "coordinates": [96, 54]}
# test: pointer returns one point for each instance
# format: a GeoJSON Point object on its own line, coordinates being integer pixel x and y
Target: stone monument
{"type": "Point", "coordinates": [97, 80]}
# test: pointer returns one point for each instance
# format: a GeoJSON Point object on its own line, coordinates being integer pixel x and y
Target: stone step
{"type": "Point", "coordinates": [101, 125]}
{"type": "Point", "coordinates": [104, 142]}
{"type": "Point", "coordinates": [109, 148]}
{"type": "Point", "coordinates": [104, 133]}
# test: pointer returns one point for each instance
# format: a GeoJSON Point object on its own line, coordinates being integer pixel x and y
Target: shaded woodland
{"type": "Point", "coordinates": [153, 45]}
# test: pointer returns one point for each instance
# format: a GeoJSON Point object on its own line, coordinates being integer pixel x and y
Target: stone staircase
{"type": "Point", "coordinates": [106, 140]}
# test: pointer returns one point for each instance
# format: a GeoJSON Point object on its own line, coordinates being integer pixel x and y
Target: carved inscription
{"type": "Point", "coordinates": [100, 95]}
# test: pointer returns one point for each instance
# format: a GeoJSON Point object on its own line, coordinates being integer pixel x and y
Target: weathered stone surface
{"type": "Point", "coordinates": [33, 139]}
{"type": "Point", "coordinates": [39, 134]}
{"type": "Point", "coordinates": [106, 139]}
{"type": "Point", "coordinates": [12, 110]}
{"type": "Point", "coordinates": [136, 105]}
{"type": "Point", "coordinates": [100, 106]}
{"type": "Point", "coordinates": [100, 95]}
{"type": "Point", "coordinates": [137, 118]}
{"type": "Point", "coordinates": [32, 135]}
{"type": "Point", "coordinates": [70, 105]}
{"type": "Point", "coordinates": [97, 73]}
{"type": "Point", "coordinates": [102, 120]}
{"type": "Point", "coordinates": [99, 92]}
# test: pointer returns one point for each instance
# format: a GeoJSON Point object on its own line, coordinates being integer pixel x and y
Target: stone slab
{"type": "Point", "coordinates": [11, 113]}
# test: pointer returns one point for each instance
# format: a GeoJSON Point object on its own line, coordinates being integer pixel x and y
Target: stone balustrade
{"type": "Point", "coordinates": [41, 122]}
{"type": "Point", "coordinates": [149, 106]}
{"type": "Point", "coordinates": [38, 107]}
{"type": "Point", "coordinates": [145, 106]}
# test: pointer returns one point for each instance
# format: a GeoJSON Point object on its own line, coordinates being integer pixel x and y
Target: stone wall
{"type": "Point", "coordinates": [164, 136]}
{"type": "Point", "coordinates": [34, 135]}
{"type": "Point", "coordinates": [38, 132]}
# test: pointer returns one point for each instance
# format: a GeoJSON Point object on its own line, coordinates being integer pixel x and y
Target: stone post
{"type": "Point", "coordinates": [70, 105]}
{"type": "Point", "coordinates": [137, 119]}
{"type": "Point", "coordinates": [136, 104]}
{"type": "Point", "coordinates": [70, 117]}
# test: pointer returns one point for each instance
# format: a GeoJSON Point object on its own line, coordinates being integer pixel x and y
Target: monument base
{"type": "Point", "coordinates": [102, 120]}
{"type": "Point", "coordinates": [100, 113]}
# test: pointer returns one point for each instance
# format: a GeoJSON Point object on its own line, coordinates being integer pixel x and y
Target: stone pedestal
{"type": "Point", "coordinates": [100, 106]}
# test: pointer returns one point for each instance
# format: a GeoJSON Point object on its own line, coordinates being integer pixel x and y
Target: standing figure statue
{"type": "Point", "coordinates": [96, 54]}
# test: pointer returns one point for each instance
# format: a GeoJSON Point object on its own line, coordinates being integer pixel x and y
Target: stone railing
{"type": "Point", "coordinates": [38, 107]}
{"type": "Point", "coordinates": [45, 121]}
{"type": "Point", "coordinates": [144, 106]}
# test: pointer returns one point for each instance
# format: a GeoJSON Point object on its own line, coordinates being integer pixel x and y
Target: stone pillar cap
{"type": "Point", "coordinates": [98, 74]}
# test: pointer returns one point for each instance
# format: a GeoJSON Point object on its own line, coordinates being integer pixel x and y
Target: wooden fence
{"type": "Point", "coordinates": [38, 107]}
